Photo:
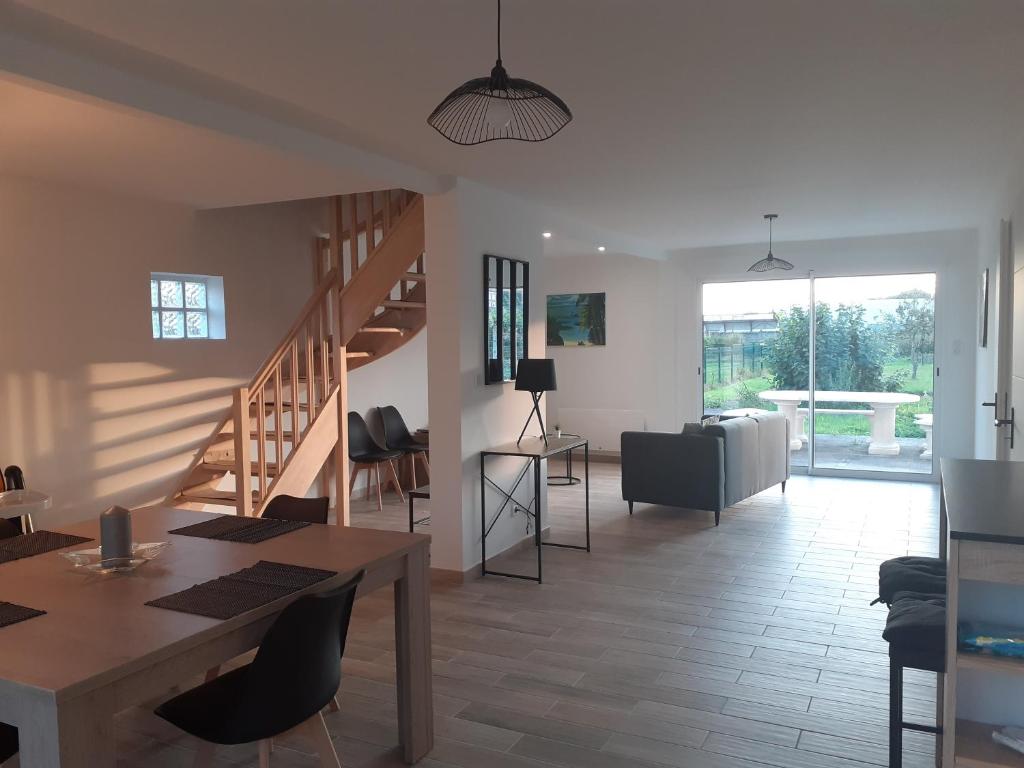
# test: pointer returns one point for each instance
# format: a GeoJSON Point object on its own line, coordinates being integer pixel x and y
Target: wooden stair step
{"type": "Point", "coordinates": [224, 465]}
{"type": "Point", "coordinates": [415, 277]}
{"type": "Point", "coordinates": [383, 329]}
{"type": "Point", "coordinates": [203, 494]}
{"type": "Point", "coordinates": [358, 354]}
{"type": "Point", "coordinates": [396, 304]}
{"type": "Point", "coordinates": [286, 405]}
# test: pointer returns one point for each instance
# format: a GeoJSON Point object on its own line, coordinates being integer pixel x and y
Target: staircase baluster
{"type": "Point", "coordinates": [310, 373]}
{"type": "Point", "coordinates": [296, 392]}
{"type": "Point", "coordinates": [261, 440]}
{"type": "Point", "coordinates": [243, 482]}
{"type": "Point", "coordinates": [371, 226]}
{"type": "Point", "coordinates": [353, 234]}
{"type": "Point", "coordinates": [279, 417]}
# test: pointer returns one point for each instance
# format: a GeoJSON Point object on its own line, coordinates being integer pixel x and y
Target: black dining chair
{"type": "Point", "coordinates": [8, 742]}
{"type": "Point", "coordinates": [285, 507]}
{"type": "Point", "coordinates": [8, 529]}
{"type": "Point", "coordinates": [296, 673]}
{"type": "Point", "coordinates": [365, 453]}
{"type": "Point", "coordinates": [398, 438]}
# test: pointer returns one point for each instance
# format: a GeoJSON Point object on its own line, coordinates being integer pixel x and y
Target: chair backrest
{"type": "Point", "coordinates": [396, 433]}
{"type": "Point", "coordinates": [360, 441]}
{"type": "Point", "coordinates": [285, 507]}
{"type": "Point", "coordinates": [297, 669]}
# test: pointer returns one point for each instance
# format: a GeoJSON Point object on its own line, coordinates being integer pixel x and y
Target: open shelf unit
{"type": "Point", "coordinates": [985, 662]}
{"type": "Point", "coordinates": [975, 748]}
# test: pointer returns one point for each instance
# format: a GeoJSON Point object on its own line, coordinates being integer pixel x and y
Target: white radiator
{"type": "Point", "coordinates": [602, 427]}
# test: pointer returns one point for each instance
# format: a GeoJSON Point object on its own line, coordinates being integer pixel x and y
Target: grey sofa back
{"type": "Point", "coordinates": [741, 457]}
{"type": "Point", "coordinates": [673, 469]}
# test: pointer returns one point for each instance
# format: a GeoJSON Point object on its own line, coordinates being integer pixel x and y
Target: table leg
{"type": "Point", "coordinates": [413, 657]}
{"type": "Point", "coordinates": [788, 408]}
{"type": "Point", "coordinates": [72, 734]}
{"type": "Point", "coordinates": [883, 431]}
{"type": "Point", "coordinates": [537, 519]}
{"type": "Point", "coordinates": [586, 480]}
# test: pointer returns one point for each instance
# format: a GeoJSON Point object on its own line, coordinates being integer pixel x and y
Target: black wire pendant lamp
{"type": "Point", "coordinates": [499, 107]}
{"type": "Point", "coordinates": [769, 262]}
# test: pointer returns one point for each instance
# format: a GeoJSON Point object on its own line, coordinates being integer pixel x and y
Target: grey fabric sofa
{"type": "Point", "coordinates": [709, 469]}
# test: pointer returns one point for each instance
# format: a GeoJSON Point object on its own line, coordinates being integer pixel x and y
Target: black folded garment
{"type": "Point", "coordinates": [925, 575]}
{"type": "Point", "coordinates": [916, 627]}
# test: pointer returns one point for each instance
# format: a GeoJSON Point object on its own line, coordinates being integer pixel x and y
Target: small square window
{"type": "Point", "coordinates": [187, 306]}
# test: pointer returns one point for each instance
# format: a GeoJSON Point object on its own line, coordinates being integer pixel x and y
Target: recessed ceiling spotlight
{"type": "Point", "coordinates": [546, 235]}
{"type": "Point", "coordinates": [600, 248]}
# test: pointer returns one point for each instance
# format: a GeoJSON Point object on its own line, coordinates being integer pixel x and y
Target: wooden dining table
{"type": "Point", "coordinates": [100, 649]}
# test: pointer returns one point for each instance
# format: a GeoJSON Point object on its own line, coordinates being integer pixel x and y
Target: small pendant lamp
{"type": "Point", "coordinates": [499, 107]}
{"type": "Point", "coordinates": [769, 262]}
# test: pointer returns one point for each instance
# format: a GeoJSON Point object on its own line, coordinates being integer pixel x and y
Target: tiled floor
{"type": "Point", "coordinates": [673, 643]}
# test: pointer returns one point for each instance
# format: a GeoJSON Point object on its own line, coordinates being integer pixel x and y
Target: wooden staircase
{"type": "Point", "coordinates": [292, 417]}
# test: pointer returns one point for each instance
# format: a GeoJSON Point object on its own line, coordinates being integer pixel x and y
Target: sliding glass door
{"type": "Point", "coordinates": [870, 344]}
{"type": "Point", "coordinates": [746, 355]}
{"type": "Point", "coordinates": [873, 372]}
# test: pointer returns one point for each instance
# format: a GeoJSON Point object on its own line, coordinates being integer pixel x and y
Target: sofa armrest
{"type": "Point", "coordinates": [674, 469]}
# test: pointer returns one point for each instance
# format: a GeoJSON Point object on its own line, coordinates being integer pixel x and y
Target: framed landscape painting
{"type": "Point", "coordinates": [576, 320]}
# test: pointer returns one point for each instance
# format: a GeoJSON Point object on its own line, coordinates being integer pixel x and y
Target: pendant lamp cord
{"type": "Point", "coordinates": [499, 31]}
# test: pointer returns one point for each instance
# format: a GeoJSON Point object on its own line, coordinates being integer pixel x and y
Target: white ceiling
{"type": "Point", "coordinates": [52, 136]}
{"type": "Point", "coordinates": [692, 117]}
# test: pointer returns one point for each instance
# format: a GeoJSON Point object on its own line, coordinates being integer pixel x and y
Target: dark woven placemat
{"type": "Point", "coordinates": [243, 590]}
{"type": "Point", "coordinates": [247, 530]}
{"type": "Point", "coordinates": [11, 613]}
{"type": "Point", "coordinates": [17, 547]}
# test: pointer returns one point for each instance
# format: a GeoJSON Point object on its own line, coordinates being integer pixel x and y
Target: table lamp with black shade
{"type": "Point", "coordinates": [535, 377]}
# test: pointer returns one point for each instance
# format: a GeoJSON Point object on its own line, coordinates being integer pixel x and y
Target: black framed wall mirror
{"type": "Point", "coordinates": [506, 317]}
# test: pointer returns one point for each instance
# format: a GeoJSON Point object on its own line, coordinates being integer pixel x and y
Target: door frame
{"type": "Point", "coordinates": [937, 400]}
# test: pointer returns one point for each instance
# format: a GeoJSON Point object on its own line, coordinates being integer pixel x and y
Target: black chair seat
{"type": "Point", "coordinates": [925, 575]}
{"type": "Point", "coordinates": [8, 742]}
{"type": "Point", "coordinates": [412, 448]}
{"type": "Point", "coordinates": [916, 626]}
{"type": "Point", "coordinates": [372, 457]}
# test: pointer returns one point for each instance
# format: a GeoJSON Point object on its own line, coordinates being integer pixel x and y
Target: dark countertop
{"type": "Point", "coordinates": [984, 499]}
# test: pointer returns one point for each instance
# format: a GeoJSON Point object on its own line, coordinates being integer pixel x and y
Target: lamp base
{"type": "Point", "coordinates": [536, 410]}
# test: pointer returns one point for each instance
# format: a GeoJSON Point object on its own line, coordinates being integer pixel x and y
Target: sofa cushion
{"type": "Point", "coordinates": [741, 457]}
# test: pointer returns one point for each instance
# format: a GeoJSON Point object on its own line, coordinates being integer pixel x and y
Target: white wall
{"type": "Point", "coordinates": [465, 414]}
{"type": "Point", "coordinates": [93, 408]}
{"type": "Point", "coordinates": [952, 255]}
{"type": "Point", "coordinates": [635, 370]}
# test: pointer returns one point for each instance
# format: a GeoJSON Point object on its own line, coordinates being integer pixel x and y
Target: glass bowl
{"type": "Point", "coordinates": [92, 560]}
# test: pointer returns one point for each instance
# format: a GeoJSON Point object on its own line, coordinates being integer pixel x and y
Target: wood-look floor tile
{"type": "Point", "coordinates": [673, 643]}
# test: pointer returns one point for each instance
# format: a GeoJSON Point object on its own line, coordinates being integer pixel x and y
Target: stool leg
{"type": "Point", "coordinates": [895, 715]}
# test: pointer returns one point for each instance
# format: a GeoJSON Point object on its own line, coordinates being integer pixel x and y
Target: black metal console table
{"type": "Point", "coordinates": [534, 450]}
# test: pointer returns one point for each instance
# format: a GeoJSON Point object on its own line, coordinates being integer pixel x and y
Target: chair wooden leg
{"type": "Point", "coordinates": [394, 480]}
{"type": "Point", "coordinates": [412, 471]}
{"type": "Point", "coordinates": [204, 755]}
{"type": "Point", "coordinates": [369, 480]}
{"type": "Point", "coordinates": [334, 706]}
{"type": "Point", "coordinates": [380, 501]}
{"type": "Point", "coordinates": [317, 731]}
{"type": "Point", "coordinates": [352, 479]}
{"type": "Point", "coordinates": [265, 753]}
